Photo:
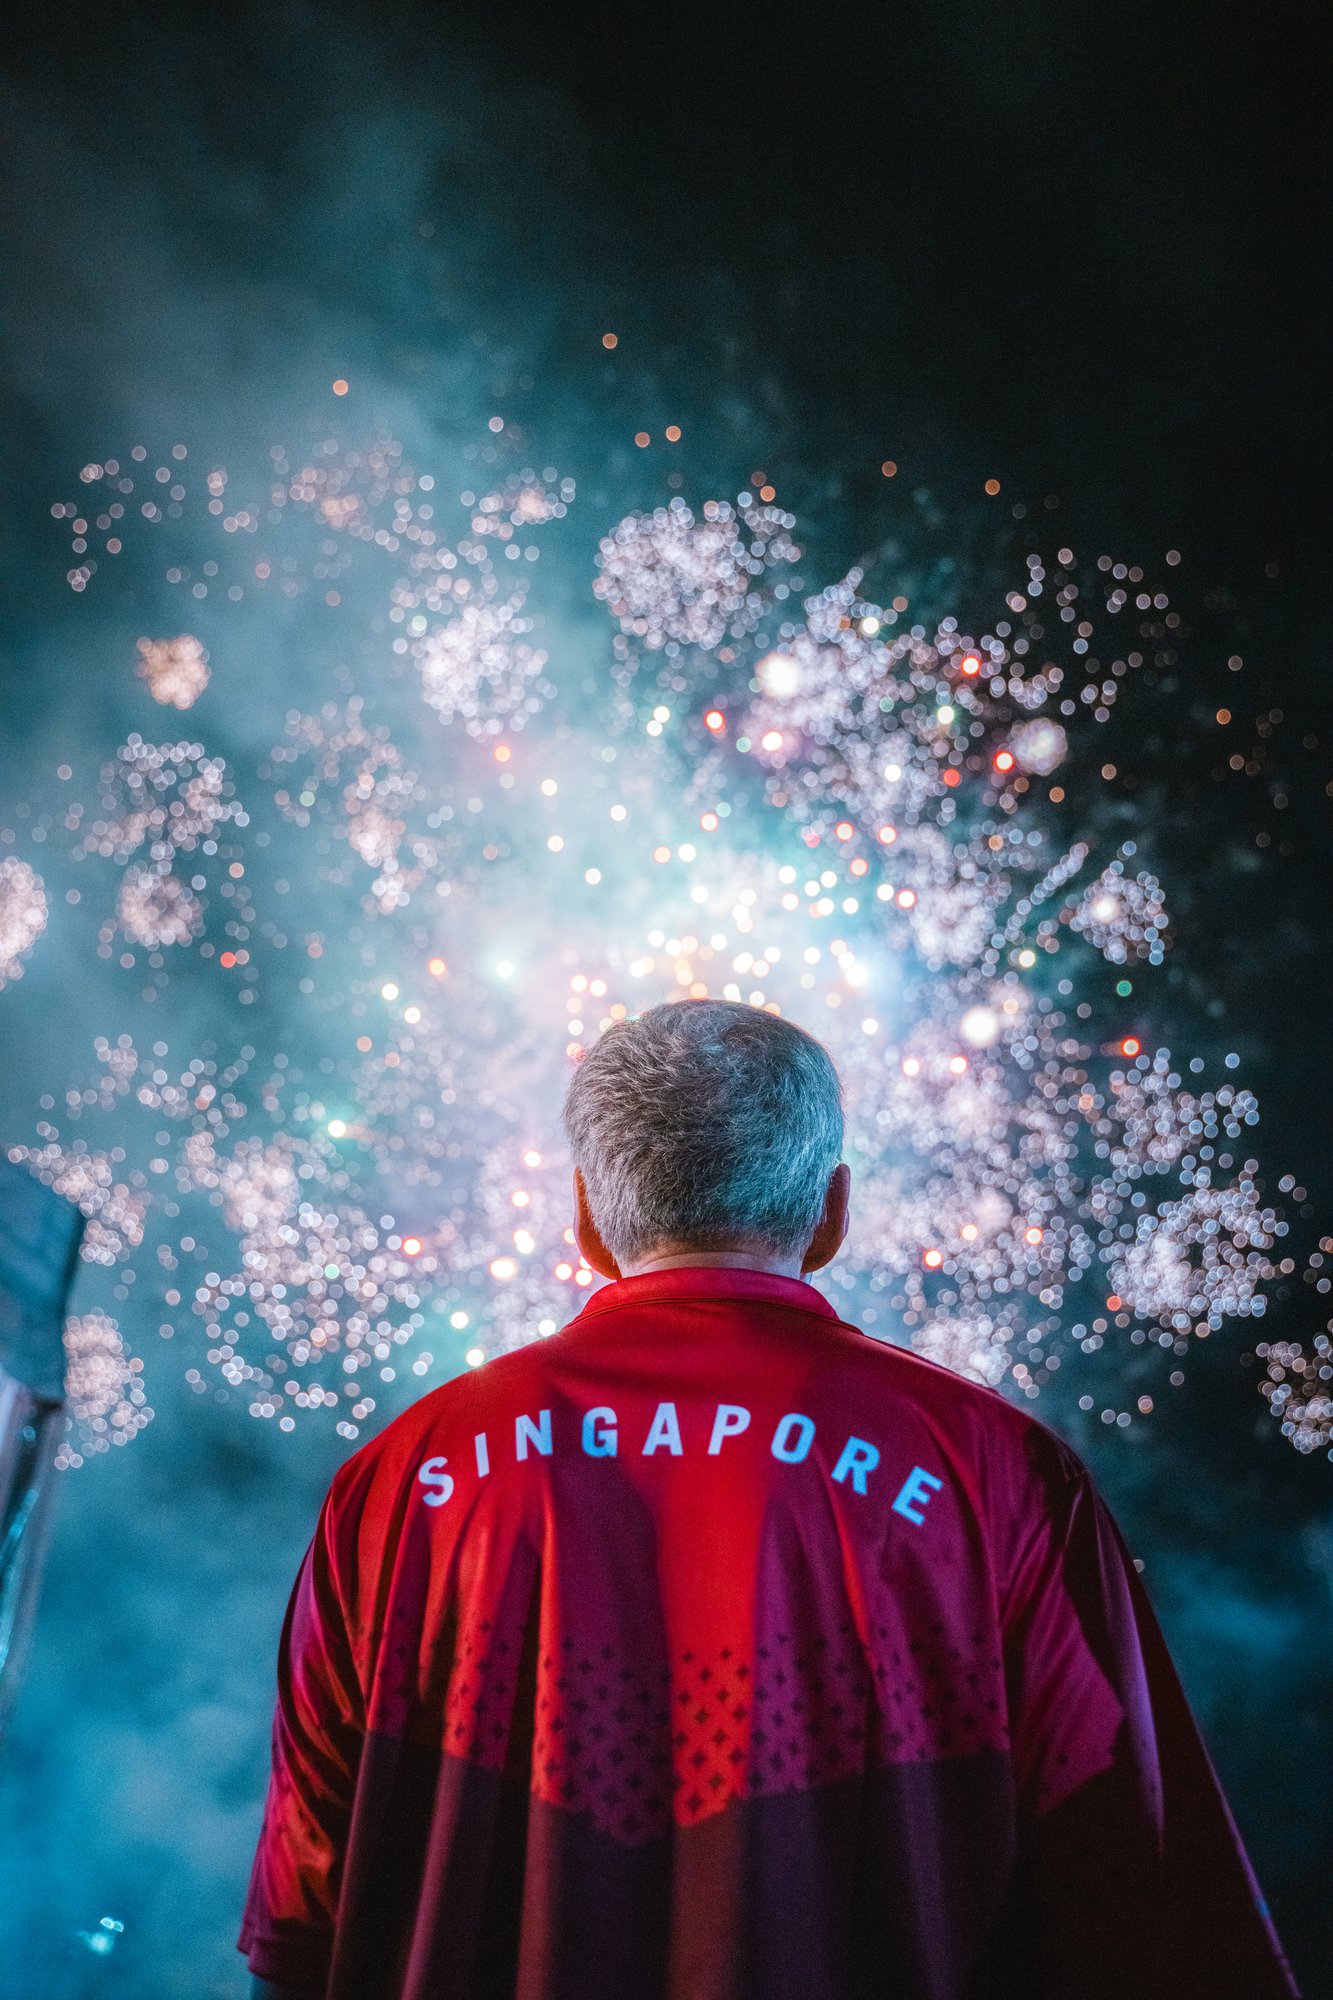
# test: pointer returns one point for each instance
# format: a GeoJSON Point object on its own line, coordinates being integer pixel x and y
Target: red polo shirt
{"type": "Point", "coordinates": [711, 1650]}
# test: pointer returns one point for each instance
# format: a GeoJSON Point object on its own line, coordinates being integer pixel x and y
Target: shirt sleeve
{"type": "Point", "coordinates": [290, 1910]}
{"type": "Point", "coordinates": [1132, 1877]}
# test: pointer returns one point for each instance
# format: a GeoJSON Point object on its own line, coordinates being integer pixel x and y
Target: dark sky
{"type": "Point", "coordinates": [1080, 244]}
{"type": "Point", "coordinates": [1078, 248]}
{"type": "Point", "coordinates": [1083, 239]}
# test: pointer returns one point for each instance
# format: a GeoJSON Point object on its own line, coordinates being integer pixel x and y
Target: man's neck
{"type": "Point", "coordinates": [734, 1260]}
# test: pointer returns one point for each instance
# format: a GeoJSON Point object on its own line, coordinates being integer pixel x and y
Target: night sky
{"type": "Point", "coordinates": [1077, 251]}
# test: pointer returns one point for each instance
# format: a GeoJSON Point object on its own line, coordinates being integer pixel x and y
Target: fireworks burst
{"type": "Point", "coordinates": [115, 1212]}
{"type": "Point", "coordinates": [1123, 916]}
{"type": "Point", "coordinates": [105, 1397]}
{"type": "Point", "coordinates": [671, 580]}
{"type": "Point", "coordinates": [782, 794]}
{"type": "Point", "coordinates": [23, 914]}
{"type": "Point", "coordinates": [176, 670]}
{"type": "Point", "coordinates": [479, 667]}
{"type": "Point", "coordinates": [1298, 1389]}
{"type": "Point", "coordinates": [171, 795]}
{"type": "Point", "coordinates": [154, 909]}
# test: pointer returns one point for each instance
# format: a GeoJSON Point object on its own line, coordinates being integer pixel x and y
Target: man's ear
{"type": "Point", "coordinates": [826, 1242]}
{"type": "Point", "coordinates": [588, 1236]}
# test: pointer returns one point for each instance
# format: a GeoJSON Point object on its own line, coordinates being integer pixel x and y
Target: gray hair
{"type": "Point", "coordinates": [706, 1123]}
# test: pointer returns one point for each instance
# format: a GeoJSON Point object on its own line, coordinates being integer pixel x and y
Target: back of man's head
{"type": "Point", "coordinates": [705, 1123]}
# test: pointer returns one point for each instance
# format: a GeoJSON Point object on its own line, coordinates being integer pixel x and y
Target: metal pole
{"type": "Point", "coordinates": [39, 1244]}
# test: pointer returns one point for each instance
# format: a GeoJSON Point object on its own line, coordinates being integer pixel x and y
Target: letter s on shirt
{"type": "Point", "coordinates": [432, 1473]}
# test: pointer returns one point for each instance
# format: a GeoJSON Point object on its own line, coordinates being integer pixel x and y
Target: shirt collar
{"type": "Point", "coordinates": [707, 1281]}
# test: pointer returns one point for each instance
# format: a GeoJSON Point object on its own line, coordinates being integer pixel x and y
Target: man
{"type": "Point", "coordinates": [712, 1650]}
